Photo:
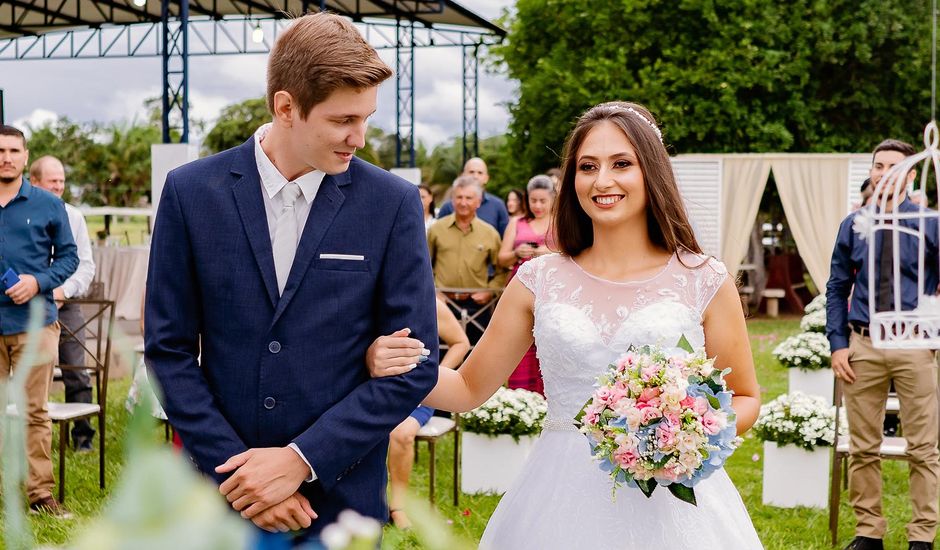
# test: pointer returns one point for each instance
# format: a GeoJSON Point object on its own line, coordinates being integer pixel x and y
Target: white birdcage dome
{"type": "Point", "coordinates": [915, 234]}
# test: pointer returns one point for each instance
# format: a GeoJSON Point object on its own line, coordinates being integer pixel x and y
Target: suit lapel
{"type": "Point", "coordinates": [250, 203]}
{"type": "Point", "coordinates": [324, 208]}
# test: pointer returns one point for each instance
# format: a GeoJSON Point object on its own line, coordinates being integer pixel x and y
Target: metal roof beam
{"type": "Point", "coordinates": [195, 5]}
{"type": "Point", "coordinates": [394, 9]}
{"type": "Point", "coordinates": [17, 30]}
{"type": "Point", "coordinates": [143, 14]}
{"type": "Point", "coordinates": [263, 8]}
{"type": "Point", "coordinates": [47, 12]}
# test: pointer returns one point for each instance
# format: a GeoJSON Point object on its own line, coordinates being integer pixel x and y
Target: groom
{"type": "Point", "coordinates": [273, 267]}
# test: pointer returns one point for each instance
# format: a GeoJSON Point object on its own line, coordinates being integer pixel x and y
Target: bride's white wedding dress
{"type": "Point", "coordinates": [562, 499]}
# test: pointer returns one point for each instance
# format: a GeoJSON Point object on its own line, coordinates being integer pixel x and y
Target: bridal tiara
{"type": "Point", "coordinates": [648, 123]}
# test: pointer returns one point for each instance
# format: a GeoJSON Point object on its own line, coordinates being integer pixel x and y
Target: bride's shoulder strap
{"type": "Point", "coordinates": [532, 273]}
{"type": "Point", "coordinates": [708, 272]}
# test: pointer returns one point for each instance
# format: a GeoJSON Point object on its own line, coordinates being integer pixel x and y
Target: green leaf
{"type": "Point", "coordinates": [647, 486]}
{"type": "Point", "coordinates": [713, 401]}
{"type": "Point", "coordinates": [683, 493]}
{"type": "Point", "coordinates": [582, 412]}
{"type": "Point", "coordinates": [684, 344]}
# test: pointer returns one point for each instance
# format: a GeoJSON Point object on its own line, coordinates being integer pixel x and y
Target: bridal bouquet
{"type": "Point", "coordinates": [661, 417]}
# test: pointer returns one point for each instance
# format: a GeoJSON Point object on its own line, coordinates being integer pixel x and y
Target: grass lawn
{"type": "Point", "coordinates": [130, 230]}
{"type": "Point", "coordinates": [778, 528]}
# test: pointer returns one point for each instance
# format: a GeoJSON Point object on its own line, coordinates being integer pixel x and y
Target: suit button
{"type": "Point", "coordinates": [274, 347]}
{"type": "Point", "coordinates": [269, 403]}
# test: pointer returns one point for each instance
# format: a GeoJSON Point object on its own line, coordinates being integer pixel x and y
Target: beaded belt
{"type": "Point", "coordinates": [559, 425]}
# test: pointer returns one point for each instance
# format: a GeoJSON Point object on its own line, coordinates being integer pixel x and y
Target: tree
{"type": "Point", "coordinates": [720, 75]}
{"type": "Point", "coordinates": [109, 164]}
{"type": "Point", "coordinates": [445, 163]}
{"type": "Point", "coordinates": [236, 123]}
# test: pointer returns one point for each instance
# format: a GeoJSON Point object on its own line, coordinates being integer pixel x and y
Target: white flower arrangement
{"type": "Point", "coordinates": [807, 350]}
{"type": "Point", "coordinates": [806, 421]}
{"type": "Point", "coordinates": [513, 412]}
{"type": "Point", "coordinates": [816, 304]}
{"type": "Point", "coordinates": [814, 321]}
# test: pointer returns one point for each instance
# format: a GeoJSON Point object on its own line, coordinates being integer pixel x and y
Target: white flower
{"type": "Point", "coordinates": [817, 304]}
{"type": "Point", "coordinates": [805, 420]}
{"type": "Point", "coordinates": [814, 321]}
{"type": "Point", "coordinates": [518, 411]}
{"type": "Point", "coordinates": [863, 223]}
{"type": "Point", "coordinates": [805, 350]}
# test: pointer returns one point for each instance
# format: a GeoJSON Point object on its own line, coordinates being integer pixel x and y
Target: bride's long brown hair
{"type": "Point", "coordinates": [666, 219]}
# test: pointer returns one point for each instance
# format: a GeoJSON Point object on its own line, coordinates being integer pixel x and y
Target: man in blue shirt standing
{"type": "Point", "coordinates": [867, 372]}
{"type": "Point", "coordinates": [36, 244]}
{"type": "Point", "coordinates": [492, 210]}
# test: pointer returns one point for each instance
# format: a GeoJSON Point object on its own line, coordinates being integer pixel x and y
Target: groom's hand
{"type": "Point", "coordinates": [263, 477]}
{"type": "Point", "coordinates": [293, 514]}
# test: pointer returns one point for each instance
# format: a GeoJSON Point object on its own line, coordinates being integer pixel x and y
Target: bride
{"type": "Point", "coordinates": [630, 272]}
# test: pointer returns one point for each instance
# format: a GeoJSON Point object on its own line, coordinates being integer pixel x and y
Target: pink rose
{"type": "Point", "coordinates": [619, 391]}
{"type": "Point", "coordinates": [672, 418]}
{"type": "Point", "coordinates": [665, 436]}
{"type": "Point", "coordinates": [710, 424]}
{"type": "Point", "coordinates": [593, 413]}
{"type": "Point", "coordinates": [670, 472]}
{"type": "Point", "coordinates": [650, 372]}
{"type": "Point", "coordinates": [651, 413]}
{"type": "Point", "coordinates": [626, 362]}
{"type": "Point", "coordinates": [591, 418]}
{"type": "Point", "coordinates": [603, 395]}
{"type": "Point", "coordinates": [701, 406]}
{"type": "Point", "coordinates": [687, 403]}
{"type": "Point", "coordinates": [649, 393]}
{"type": "Point", "coordinates": [625, 456]}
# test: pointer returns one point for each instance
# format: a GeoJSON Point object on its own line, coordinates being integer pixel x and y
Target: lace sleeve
{"type": "Point", "coordinates": [528, 274]}
{"type": "Point", "coordinates": [711, 276]}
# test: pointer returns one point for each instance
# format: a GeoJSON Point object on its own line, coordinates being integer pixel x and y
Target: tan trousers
{"type": "Point", "coordinates": [915, 380]}
{"type": "Point", "coordinates": [40, 481]}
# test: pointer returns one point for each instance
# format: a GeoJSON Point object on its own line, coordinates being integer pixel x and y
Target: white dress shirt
{"type": "Point", "coordinates": [77, 285]}
{"type": "Point", "coordinates": [272, 182]}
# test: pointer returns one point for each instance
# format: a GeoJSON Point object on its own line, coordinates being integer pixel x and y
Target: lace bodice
{"type": "Point", "coordinates": [583, 323]}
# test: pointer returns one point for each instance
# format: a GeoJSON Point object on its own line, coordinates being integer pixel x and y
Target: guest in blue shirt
{"type": "Point", "coordinates": [36, 244]}
{"type": "Point", "coordinates": [492, 210]}
{"type": "Point", "coordinates": [867, 372]}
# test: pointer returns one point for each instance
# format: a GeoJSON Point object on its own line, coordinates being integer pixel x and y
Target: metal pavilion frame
{"type": "Point", "coordinates": [185, 28]}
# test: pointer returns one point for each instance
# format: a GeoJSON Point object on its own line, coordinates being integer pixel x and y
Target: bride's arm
{"type": "Point", "coordinates": [496, 355]}
{"type": "Point", "coordinates": [726, 340]}
{"type": "Point", "coordinates": [505, 341]}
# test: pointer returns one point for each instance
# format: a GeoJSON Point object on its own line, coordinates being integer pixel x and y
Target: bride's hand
{"type": "Point", "coordinates": [395, 354]}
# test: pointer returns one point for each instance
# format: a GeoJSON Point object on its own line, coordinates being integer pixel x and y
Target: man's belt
{"type": "Point", "coordinates": [860, 328]}
{"type": "Point", "coordinates": [458, 296]}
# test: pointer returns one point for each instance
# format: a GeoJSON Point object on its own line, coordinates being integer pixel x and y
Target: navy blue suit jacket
{"type": "Point", "coordinates": [276, 370]}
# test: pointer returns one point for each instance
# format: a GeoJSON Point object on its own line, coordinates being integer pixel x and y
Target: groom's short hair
{"type": "Point", "coordinates": [319, 54]}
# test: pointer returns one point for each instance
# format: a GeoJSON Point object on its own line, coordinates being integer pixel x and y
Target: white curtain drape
{"type": "Point", "coordinates": [742, 185]}
{"type": "Point", "coordinates": [809, 188]}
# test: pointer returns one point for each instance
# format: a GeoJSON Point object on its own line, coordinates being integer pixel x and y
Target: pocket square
{"type": "Point", "coordinates": [353, 257]}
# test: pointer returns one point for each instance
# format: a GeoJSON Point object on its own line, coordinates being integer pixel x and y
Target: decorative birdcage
{"type": "Point", "coordinates": [914, 236]}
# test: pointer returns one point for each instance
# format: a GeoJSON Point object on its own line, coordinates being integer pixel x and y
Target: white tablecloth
{"type": "Point", "coordinates": [123, 270]}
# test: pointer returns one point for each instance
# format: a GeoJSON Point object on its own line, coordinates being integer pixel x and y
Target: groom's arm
{"type": "Point", "coordinates": [350, 429]}
{"type": "Point", "coordinates": [171, 333]}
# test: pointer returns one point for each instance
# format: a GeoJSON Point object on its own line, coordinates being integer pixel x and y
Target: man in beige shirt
{"type": "Point", "coordinates": [463, 251]}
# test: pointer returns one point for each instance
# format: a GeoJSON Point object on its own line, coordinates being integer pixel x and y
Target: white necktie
{"type": "Point", "coordinates": [284, 245]}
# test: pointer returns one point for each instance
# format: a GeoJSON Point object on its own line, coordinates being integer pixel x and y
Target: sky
{"type": "Point", "coordinates": [105, 90]}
